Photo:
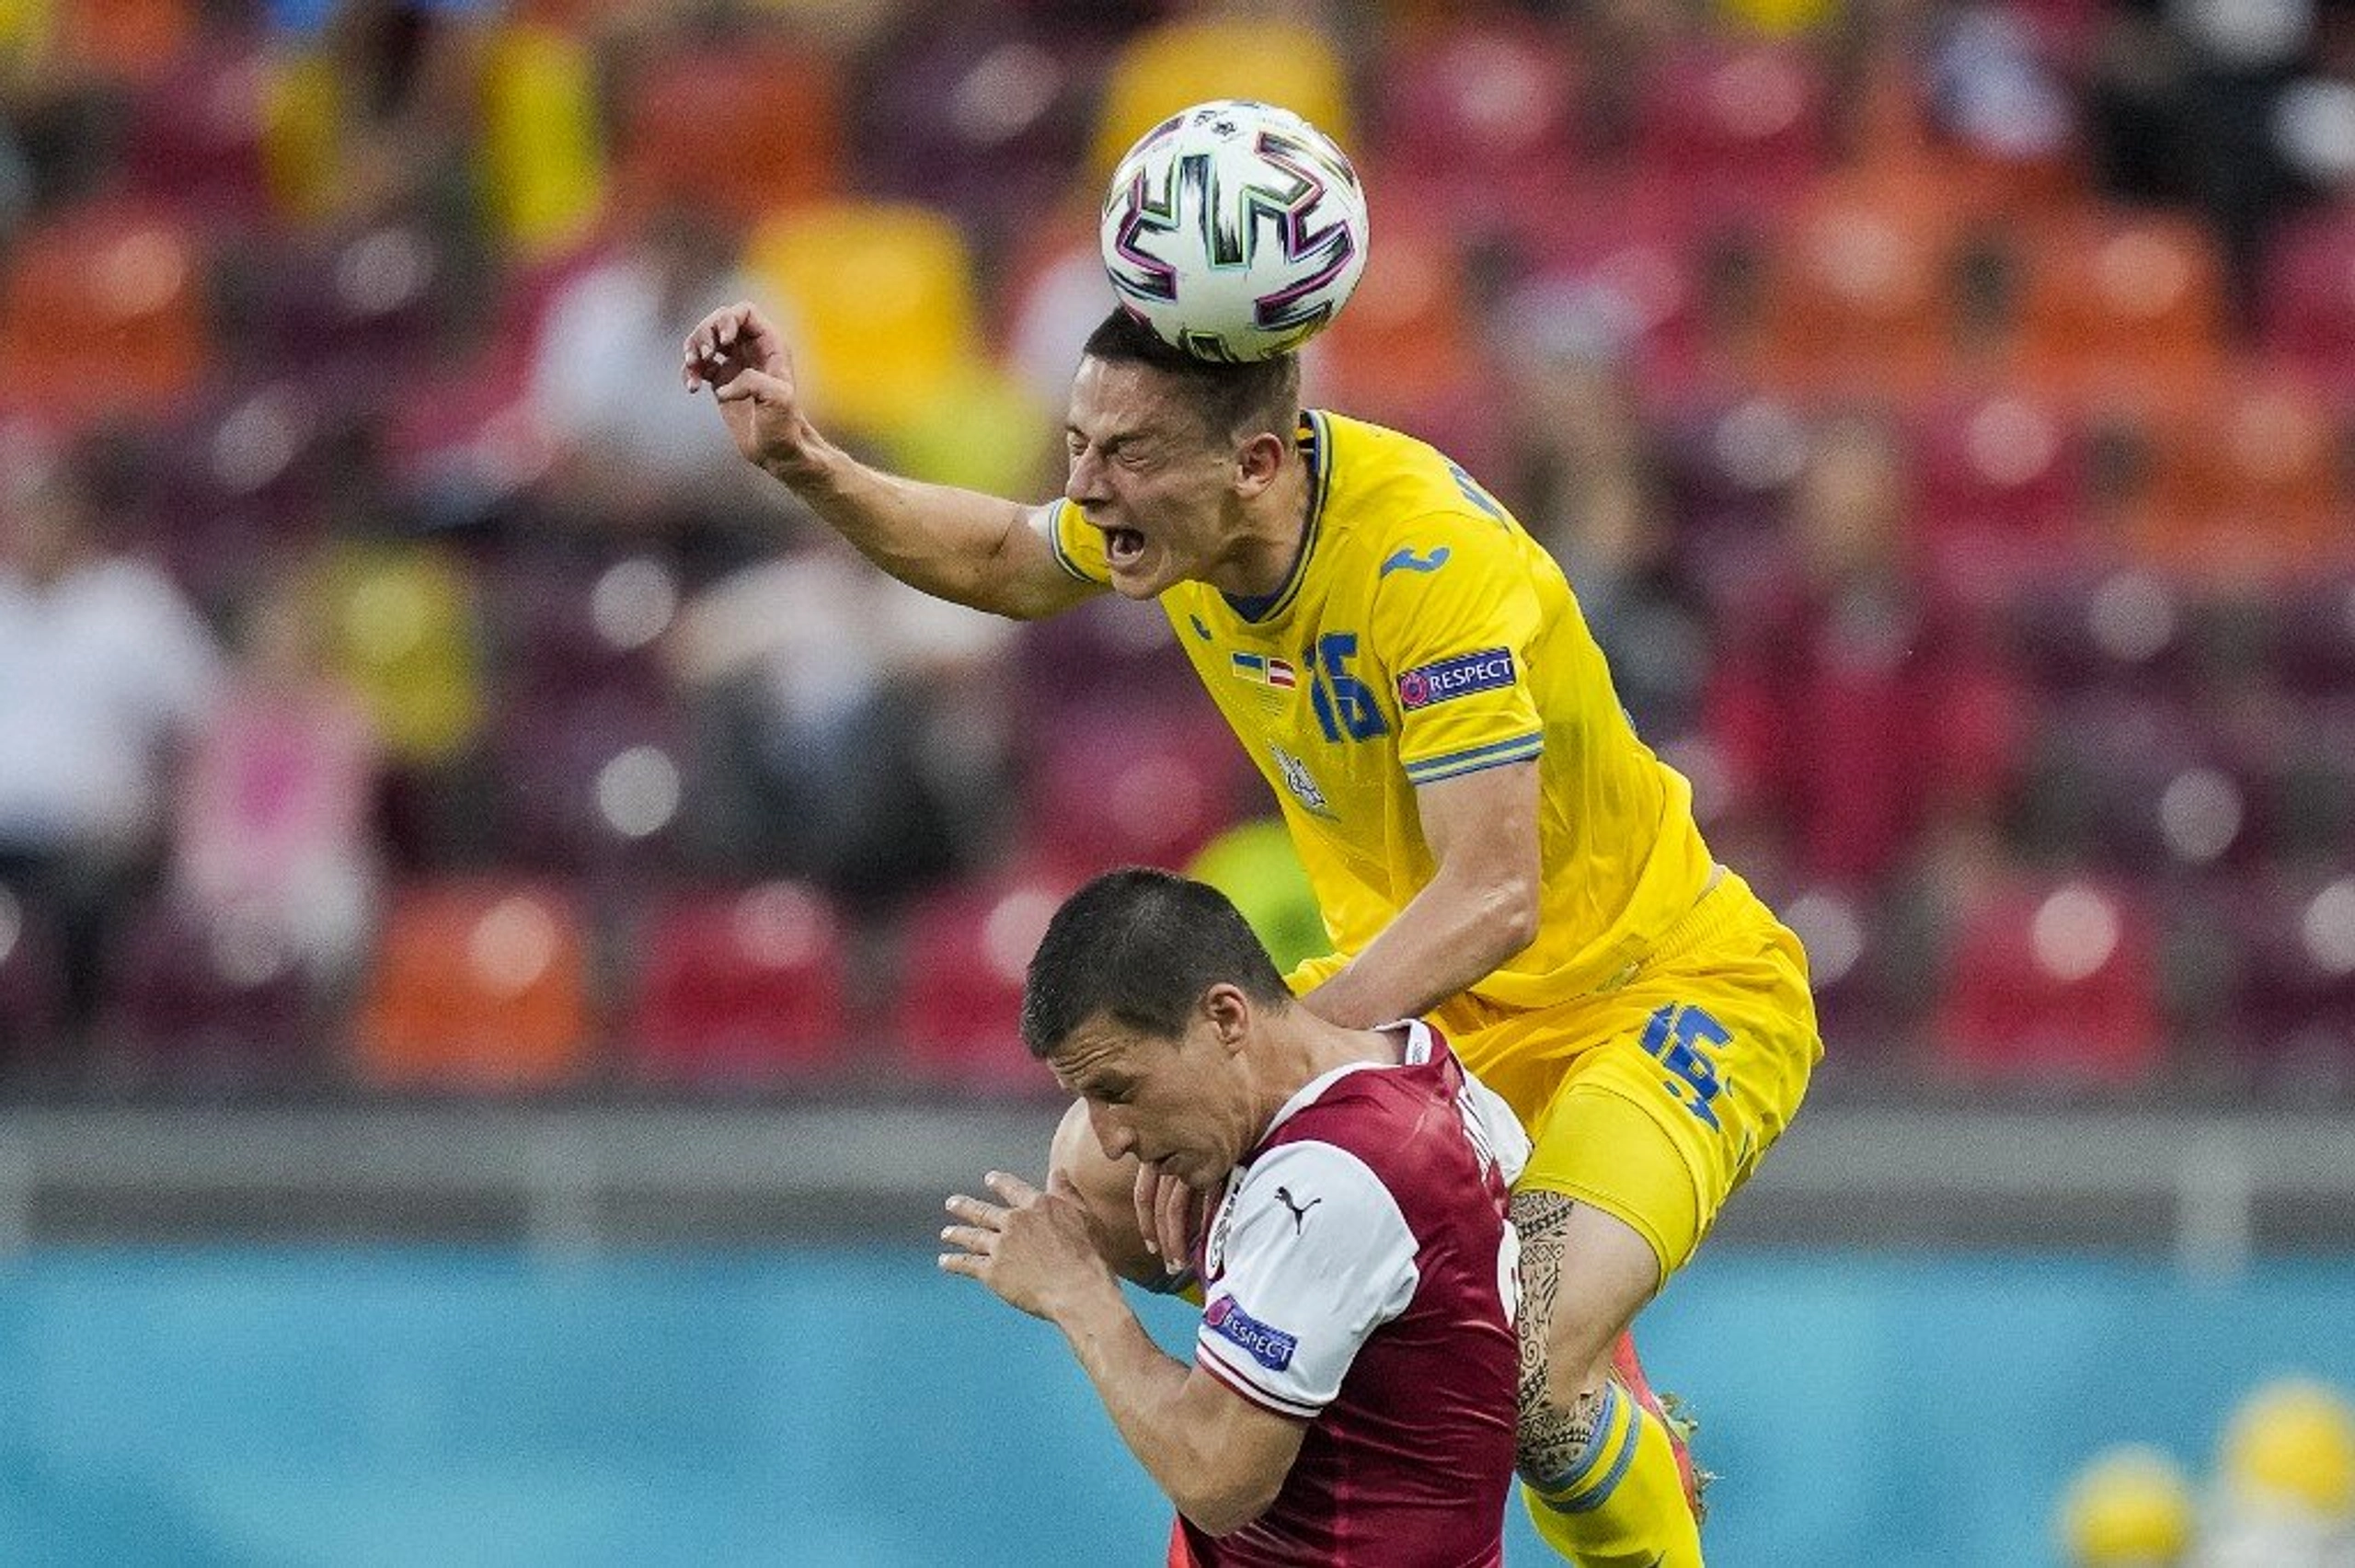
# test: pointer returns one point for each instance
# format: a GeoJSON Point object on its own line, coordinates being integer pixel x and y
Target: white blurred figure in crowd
{"type": "Point", "coordinates": [274, 830]}
{"type": "Point", "coordinates": [618, 452]}
{"type": "Point", "coordinates": [106, 674]}
{"type": "Point", "coordinates": [856, 729]}
{"type": "Point", "coordinates": [2129, 1507]}
{"type": "Point", "coordinates": [2285, 1483]}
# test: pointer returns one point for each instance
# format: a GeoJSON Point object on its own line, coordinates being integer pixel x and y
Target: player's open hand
{"type": "Point", "coordinates": [739, 354]}
{"type": "Point", "coordinates": [1036, 1251]}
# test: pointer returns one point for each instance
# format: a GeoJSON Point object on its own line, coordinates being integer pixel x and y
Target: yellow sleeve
{"type": "Point", "coordinates": [1078, 545]}
{"type": "Point", "coordinates": [1454, 613]}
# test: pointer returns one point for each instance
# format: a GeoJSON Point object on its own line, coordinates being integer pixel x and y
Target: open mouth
{"type": "Point", "coordinates": [1123, 546]}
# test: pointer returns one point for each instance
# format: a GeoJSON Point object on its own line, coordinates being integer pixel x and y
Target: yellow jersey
{"type": "Point", "coordinates": [1423, 635]}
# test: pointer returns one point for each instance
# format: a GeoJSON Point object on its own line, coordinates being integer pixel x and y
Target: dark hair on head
{"type": "Point", "coordinates": [1141, 946]}
{"type": "Point", "coordinates": [1234, 399]}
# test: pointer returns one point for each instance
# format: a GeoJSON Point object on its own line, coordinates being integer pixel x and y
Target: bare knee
{"type": "Point", "coordinates": [1107, 1187]}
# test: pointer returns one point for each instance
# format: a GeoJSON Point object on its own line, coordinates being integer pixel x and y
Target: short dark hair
{"type": "Point", "coordinates": [1234, 398]}
{"type": "Point", "coordinates": [1141, 946]}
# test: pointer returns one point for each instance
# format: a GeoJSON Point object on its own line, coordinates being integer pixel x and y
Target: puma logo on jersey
{"type": "Point", "coordinates": [1299, 1210]}
{"type": "Point", "coordinates": [1407, 561]}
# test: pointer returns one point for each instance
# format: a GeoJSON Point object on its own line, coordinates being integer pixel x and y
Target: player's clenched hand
{"type": "Point", "coordinates": [1035, 1251]}
{"type": "Point", "coordinates": [1169, 1214]}
{"type": "Point", "coordinates": [738, 353]}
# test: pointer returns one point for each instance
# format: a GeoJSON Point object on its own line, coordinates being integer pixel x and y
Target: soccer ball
{"type": "Point", "coordinates": [1235, 230]}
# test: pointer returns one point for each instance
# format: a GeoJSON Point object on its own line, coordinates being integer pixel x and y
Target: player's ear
{"type": "Point", "coordinates": [1229, 1012]}
{"type": "Point", "coordinates": [1257, 463]}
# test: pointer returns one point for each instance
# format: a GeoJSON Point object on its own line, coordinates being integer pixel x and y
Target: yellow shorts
{"type": "Point", "coordinates": [1653, 1100]}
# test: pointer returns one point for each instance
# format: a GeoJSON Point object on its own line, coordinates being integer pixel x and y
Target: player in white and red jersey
{"type": "Point", "coordinates": [1352, 1394]}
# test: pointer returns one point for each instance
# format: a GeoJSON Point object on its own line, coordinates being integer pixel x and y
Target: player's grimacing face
{"type": "Point", "coordinates": [1144, 471]}
{"type": "Point", "coordinates": [1174, 1102]}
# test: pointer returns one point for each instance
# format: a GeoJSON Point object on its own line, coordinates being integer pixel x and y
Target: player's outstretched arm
{"type": "Point", "coordinates": [983, 551]}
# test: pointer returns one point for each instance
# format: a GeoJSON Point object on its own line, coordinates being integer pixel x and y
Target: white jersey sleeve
{"type": "Point", "coordinates": [1309, 1257]}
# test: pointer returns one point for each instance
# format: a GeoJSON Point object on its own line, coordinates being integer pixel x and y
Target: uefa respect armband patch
{"type": "Point", "coordinates": [1270, 1347]}
{"type": "Point", "coordinates": [1488, 670]}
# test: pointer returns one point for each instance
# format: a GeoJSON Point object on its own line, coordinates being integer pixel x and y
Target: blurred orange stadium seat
{"type": "Point", "coordinates": [2245, 485]}
{"type": "Point", "coordinates": [102, 313]}
{"type": "Point", "coordinates": [1860, 292]}
{"type": "Point", "coordinates": [881, 302]}
{"type": "Point", "coordinates": [2124, 306]}
{"type": "Point", "coordinates": [125, 40]}
{"type": "Point", "coordinates": [965, 952]}
{"type": "Point", "coordinates": [1187, 61]}
{"type": "Point", "coordinates": [2052, 984]}
{"type": "Point", "coordinates": [1406, 337]}
{"type": "Point", "coordinates": [742, 985]}
{"type": "Point", "coordinates": [478, 984]}
{"type": "Point", "coordinates": [738, 127]}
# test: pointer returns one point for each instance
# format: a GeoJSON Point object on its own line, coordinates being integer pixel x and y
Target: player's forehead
{"type": "Point", "coordinates": [1101, 1051]}
{"type": "Point", "coordinates": [1123, 400]}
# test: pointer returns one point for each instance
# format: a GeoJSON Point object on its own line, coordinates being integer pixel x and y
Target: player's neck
{"type": "Point", "coordinates": [1304, 1047]}
{"type": "Point", "coordinates": [1266, 547]}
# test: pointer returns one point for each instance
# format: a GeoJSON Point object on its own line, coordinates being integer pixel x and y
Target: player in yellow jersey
{"type": "Point", "coordinates": [1491, 845]}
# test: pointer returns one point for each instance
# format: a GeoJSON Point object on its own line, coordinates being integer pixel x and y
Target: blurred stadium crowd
{"type": "Point", "coordinates": [1942, 409]}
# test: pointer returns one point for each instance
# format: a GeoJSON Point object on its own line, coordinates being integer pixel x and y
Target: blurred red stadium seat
{"type": "Point", "coordinates": [2307, 301]}
{"type": "Point", "coordinates": [2052, 984]}
{"type": "Point", "coordinates": [1732, 125]}
{"type": "Point", "coordinates": [207, 1000]}
{"type": "Point", "coordinates": [964, 954]}
{"type": "Point", "coordinates": [742, 985]}
{"type": "Point", "coordinates": [1132, 784]}
{"type": "Point", "coordinates": [194, 135]}
{"type": "Point", "coordinates": [1999, 491]}
{"type": "Point", "coordinates": [1475, 120]}
{"type": "Point", "coordinates": [478, 984]}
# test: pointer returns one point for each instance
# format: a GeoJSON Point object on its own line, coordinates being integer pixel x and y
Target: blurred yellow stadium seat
{"type": "Point", "coordinates": [1256, 867]}
{"type": "Point", "coordinates": [881, 301]}
{"type": "Point", "coordinates": [1166, 69]}
{"type": "Point", "coordinates": [541, 159]}
{"type": "Point", "coordinates": [402, 624]}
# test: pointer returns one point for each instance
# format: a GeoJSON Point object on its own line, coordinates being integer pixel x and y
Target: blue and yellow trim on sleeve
{"type": "Point", "coordinates": [1496, 754]}
{"type": "Point", "coordinates": [1055, 542]}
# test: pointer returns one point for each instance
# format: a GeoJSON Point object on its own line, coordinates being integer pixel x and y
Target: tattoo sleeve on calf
{"type": "Point", "coordinates": [1552, 1438]}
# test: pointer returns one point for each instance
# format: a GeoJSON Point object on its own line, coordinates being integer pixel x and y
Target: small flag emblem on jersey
{"type": "Point", "coordinates": [1263, 670]}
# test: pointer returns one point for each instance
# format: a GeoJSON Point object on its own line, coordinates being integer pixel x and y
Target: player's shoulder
{"type": "Point", "coordinates": [1391, 1117]}
{"type": "Point", "coordinates": [1389, 492]}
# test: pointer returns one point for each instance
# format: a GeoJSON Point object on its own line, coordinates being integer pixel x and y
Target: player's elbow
{"type": "Point", "coordinates": [1222, 1504]}
{"type": "Point", "coordinates": [1510, 912]}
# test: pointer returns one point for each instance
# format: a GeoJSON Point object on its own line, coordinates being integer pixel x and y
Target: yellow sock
{"type": "Point", "coordinates": [1623, 1504]}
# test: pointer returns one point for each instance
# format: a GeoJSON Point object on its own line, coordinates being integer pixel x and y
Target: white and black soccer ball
{"type": "Point", "coordinates": [1235, 230]}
